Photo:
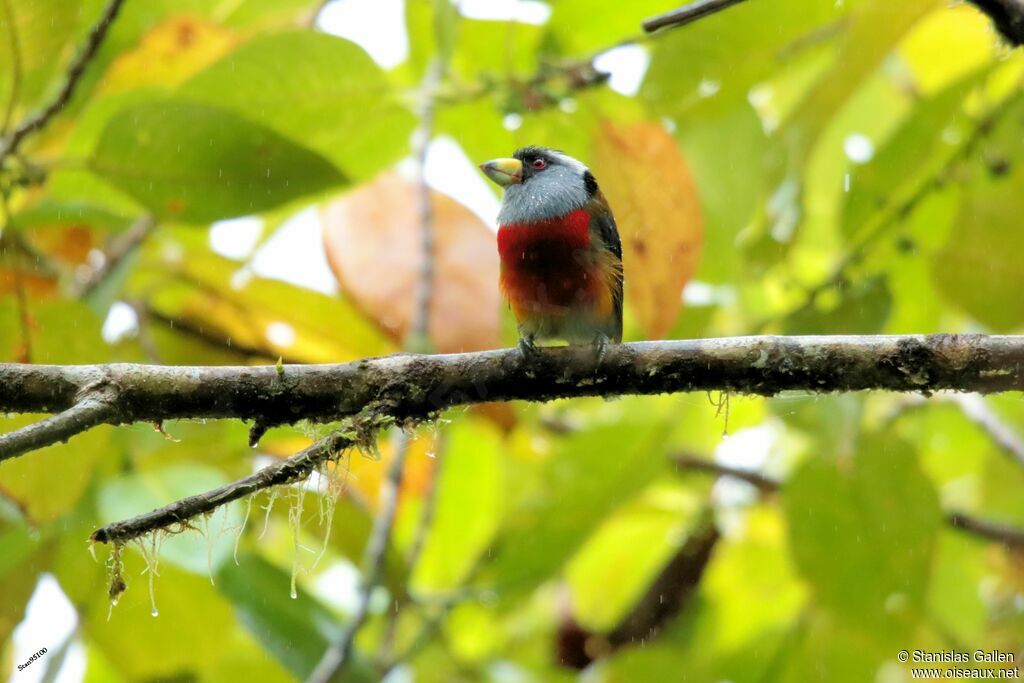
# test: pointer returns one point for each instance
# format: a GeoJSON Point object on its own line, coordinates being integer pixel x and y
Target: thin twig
{"type": "Point", "coordinates": [180, 512]}
{"type": "Point", "coordinates": [426, 520]}
{"type": "Point", "coordinates": [762, 482]}
{"type": "Point", "coordinates": [334, 659]}
{"type": "Point", "coordinates": [1010, 536]}
{"type": "Point", "coordinates": [122, 246]}
{"type": "Point", "coordinates": [980, 413]}
{"type": "Point", "coordinates": [687, 14]}
{"type": "Point", "coordinates": [420, 325]}
{"type": "Point", "coordinates": [419, 541]}
{"type": "Point", "coordinates": [91, 410]}
{"type": "Point", "coordinates": [55, 662]}
{"type": "Point", "coordinates": [75, 70]}
{"type": "Point", "coordinates": [974, 408]}
{"type": "Point", "coordinates": [374, 555]}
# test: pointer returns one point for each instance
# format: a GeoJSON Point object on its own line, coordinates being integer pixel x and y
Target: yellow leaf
{"type": "Point", "coordinates": [648, 183]}
{"type": "Point", "coordinates": [169, 53]}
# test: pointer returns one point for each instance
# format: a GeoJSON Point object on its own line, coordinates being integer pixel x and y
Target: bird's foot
{"type": "Point", "coordinates": [601, 343]}
{"type": "Point", "coordinates": [528, 350]}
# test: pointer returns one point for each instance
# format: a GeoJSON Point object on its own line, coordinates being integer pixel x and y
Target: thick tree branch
{"type": "Point", "coordinates": [415, 386]}
{"type": "Point", "coordinates": [687, 14]}
{"type": "Point", "coordinates": [76, 68]}
{"type": "Point", "coordinates": [92, 409]}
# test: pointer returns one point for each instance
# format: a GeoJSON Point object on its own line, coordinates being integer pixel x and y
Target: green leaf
{"type": "Point", "coordinates": [313, 88]}
{"type": "Point", "coordinates": [914, 152]}
{"type": "Point", "coordinates": [186, 283]}
{"type": "Point", "coordinates": [55, 213]}
{"type": "Point", "coordinates": [39, 35]}
{"type": "Point", "coordinates": [735, 594]}
{"type": "Point", "coordinates": [980, 269]}
{"type": "Point", "coordinates": [433, 27]}
{"type": "Point", "coordinates": [196, 163]}
{"type": "Point", "coordinates": [862, 309]}
{"type": "Point", "coordinates": [725, 153]}
{"type": "Point", "coordinates": [186, 636]}
{"type": "Point", "coordinates": [605, 582]}
{"type": "Point", "coordinates": [730, 51]}
{"type": "Point", "coordinates": [586, 478]}
{"type": "Point", "coordinates": [583, 26]}
{"type": "Point", "coordinates": [48, 483]}
{"type": "Point", "coordinates": [295, 631]}
{"type": "Point", "coordinates": [875, 28]}
{"type": "Point", "coordinates": [23, 558]}
{"type": "Point", "coordinates": [863, 534]}
{"type": "Point", "coordinates": [470, 480]}
{"type": "Point", "coordinates": [829, 650]}
{"type": "Point", "coordinates": [954, 597]}
{"type": "Point", "coordinates": [496, 49]}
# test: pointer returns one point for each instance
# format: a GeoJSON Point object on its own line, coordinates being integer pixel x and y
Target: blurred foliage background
{"type": "Point", "coordinates": [848, 166]}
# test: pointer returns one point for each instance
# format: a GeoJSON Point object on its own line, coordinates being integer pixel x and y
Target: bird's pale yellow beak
{"type": "Point", "coordinates": [505, 172]}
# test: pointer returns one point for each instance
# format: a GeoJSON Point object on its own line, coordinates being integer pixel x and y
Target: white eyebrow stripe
{"type": "Point", "coordinates": [569, 161]}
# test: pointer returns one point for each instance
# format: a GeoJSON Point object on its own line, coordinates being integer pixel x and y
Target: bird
{"type": "Point", "coordinates": [560, 251]}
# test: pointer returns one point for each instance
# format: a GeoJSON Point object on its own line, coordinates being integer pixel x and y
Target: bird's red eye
{"type": "Point", "coordinates": [539, 164]}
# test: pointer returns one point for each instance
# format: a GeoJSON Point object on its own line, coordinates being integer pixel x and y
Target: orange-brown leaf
{"type": "Point", "coordinates": [648, 183]}
{"type": "Point", "coordinates": [372, 239]}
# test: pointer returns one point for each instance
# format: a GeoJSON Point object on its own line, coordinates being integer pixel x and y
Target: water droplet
{"type": "Point", "coordinates": [155, 612]}
{"type": "Point", "coordinates": [294, 594]}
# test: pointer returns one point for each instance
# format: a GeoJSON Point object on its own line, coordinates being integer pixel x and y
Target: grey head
{"type": "Point", "coordinates": [540, 183]}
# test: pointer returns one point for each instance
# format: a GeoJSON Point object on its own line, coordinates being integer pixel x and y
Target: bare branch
{"type": "Point", "coordinates": [762, 482]}
{"type": "Point", "coordinates": [338, 653]}
{"type": "Point", "coordinates": [180, 512]}
{"type": "Point", "coordinates": [93, 409]}
{"type": "Point", "coordinates": [74, 75]}
{"type": "Point", "coordinates": [974, 408]}
{"type": "Point", "coordinates": [1010, 536]}
{"type": "Point", "coordinates": [335, 657]}
{"type": "Point", "coordinates": [122, 247]}
{"type": "Point", "coordinates": [688, 14]}
{"type": "Point", "coordinates": [419, 541]}
{"type": "Point", "coordinates": [410, 385]}
{"type": "Point", "coordinates": [980, 413]}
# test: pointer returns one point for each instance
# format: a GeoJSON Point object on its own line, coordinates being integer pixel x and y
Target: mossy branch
{"type": "Point", "coordinates": [417, 386]}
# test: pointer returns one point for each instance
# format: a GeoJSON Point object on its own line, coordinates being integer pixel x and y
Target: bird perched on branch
{"type": "Point", "coordinates": [561, 257]}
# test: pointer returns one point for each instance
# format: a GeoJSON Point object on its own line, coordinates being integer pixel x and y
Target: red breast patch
{"type": "Point", "coordinates": [547, 267]}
